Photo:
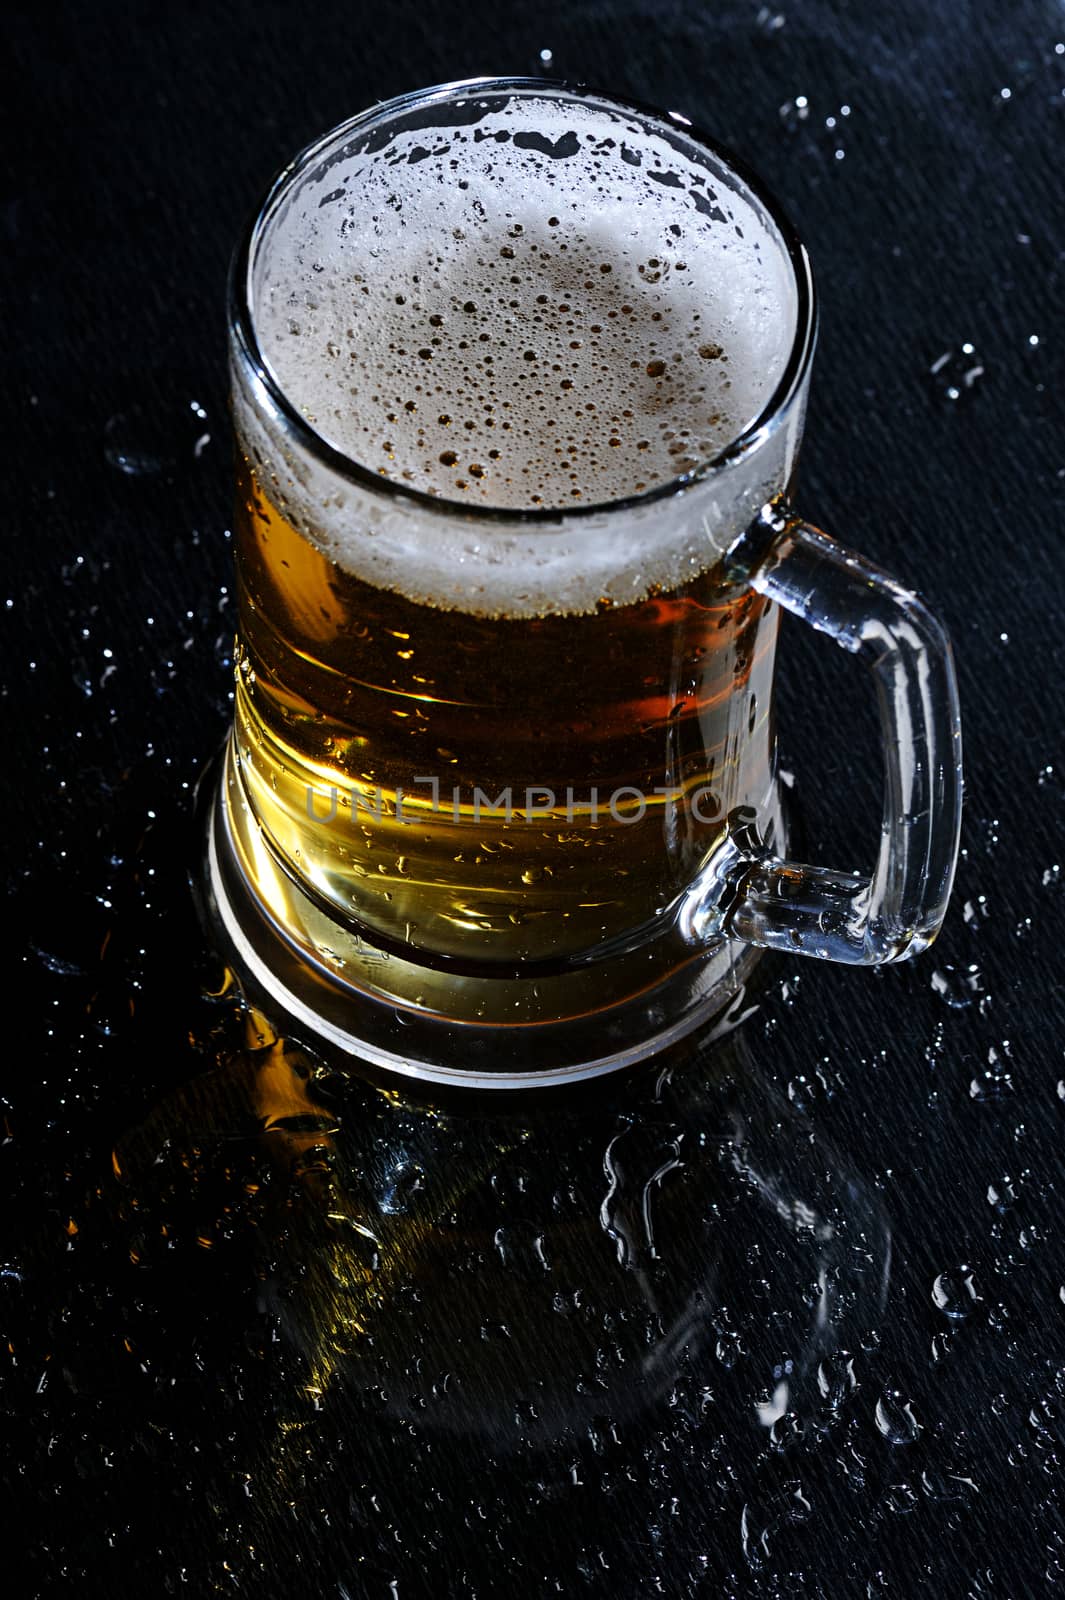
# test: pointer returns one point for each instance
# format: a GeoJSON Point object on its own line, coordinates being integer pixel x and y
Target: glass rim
{"type": "Point", "coordinates": [789, 386]}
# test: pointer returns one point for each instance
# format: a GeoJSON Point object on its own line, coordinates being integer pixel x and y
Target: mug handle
{"type": "Point", "coordinates": [840, 916]}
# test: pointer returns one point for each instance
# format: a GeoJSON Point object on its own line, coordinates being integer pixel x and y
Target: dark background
{"type": "Point", "coordinates": [155, 1352]}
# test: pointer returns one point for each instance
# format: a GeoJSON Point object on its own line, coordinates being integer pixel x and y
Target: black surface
{"type": "Point", "coordinates": [162, 1325]}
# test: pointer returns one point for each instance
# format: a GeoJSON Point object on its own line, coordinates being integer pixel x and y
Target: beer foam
{"type": "Point", "coordinates": [547, 306]}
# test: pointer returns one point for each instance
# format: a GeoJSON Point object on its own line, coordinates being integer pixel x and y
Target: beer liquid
{"type": "Point", "coordinates": [347, 693]}
{"type": "Point", "coordinates": [533, 770]}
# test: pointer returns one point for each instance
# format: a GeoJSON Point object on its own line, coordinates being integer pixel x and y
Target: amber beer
{"type": "Point", "coordinates": [560, 777]}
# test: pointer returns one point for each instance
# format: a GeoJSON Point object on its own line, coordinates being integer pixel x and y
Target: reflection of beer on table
{"type": "Point", "coordinates": [563, 722]}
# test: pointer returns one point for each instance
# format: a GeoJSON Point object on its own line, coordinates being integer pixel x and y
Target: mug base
{"type": "Point", "coordinates": [379, 1009]}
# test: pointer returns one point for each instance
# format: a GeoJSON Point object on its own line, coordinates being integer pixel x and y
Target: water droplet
{"type": "Point", "coordinates": [1002, 1194]}
{"type": "Point", "coordinates": [772, 1404]}
{"type": "Point", "coordinates": [996, 1083]}
{"type": "Point", "coordinates": [942, 1345]}
{"type": "Point", "coordinates": [954, 1292]}
{"type": "Point", "coordinates": [144, 440]}
{"type": "Point", "coordinates": [1047, 1421]}
{"type": "Point", "coordinates": [974, 912]}
{"type": "Point", "coordinates": [957, 986]}
{"type": "Point", "coordinates": [602, 1432]}
{"type": "Point", "coordinates": [522, 1248]}
{"type": "Point", "coordinates": [728, 1348]}
{"type": "Point", "coordinates": [761, 1520]}
{"type": "Point", "coordinates": [405, 1180]}
{"type": "Point", "coordinates": [895, 1418]}
{"type": "Point", "coordinates": [955, 373]}
{"type": "Point", "coordinates": [836, 1379]}
{"type": "Point", "coordinates": [493, 1332]}
{"type": "Point", "coordinates": [807, 1090]}
{"type": "Point", "coordinates": [769, 22]}
{"type": "Point", "coordinates": [990, 825]}
{"type": "Point", "coordinates": [787, 1432]}
{"type": "Point", "coordinates": [793, 113]}
{"type": "Point", "coordinates": [900, 1498]}
{"type": "Point", "coordinates": [934, 1049]}
{"type": "Point", "coordinates": [635, 1163]}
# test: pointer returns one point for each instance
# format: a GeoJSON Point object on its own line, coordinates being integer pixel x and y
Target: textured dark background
{"type": "Point", "coordinates": [159, 1378]}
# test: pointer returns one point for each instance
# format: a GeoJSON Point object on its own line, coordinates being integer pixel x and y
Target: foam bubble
{"type": "Point", "coordinates": [551, 307]}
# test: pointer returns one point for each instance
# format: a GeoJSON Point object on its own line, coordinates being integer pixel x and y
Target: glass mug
{"type": "Point", "coordinates": [500, 806]}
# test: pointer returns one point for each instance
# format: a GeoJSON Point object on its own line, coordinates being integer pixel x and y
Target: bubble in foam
{"type": "Point", "coordinates": [549, 308]}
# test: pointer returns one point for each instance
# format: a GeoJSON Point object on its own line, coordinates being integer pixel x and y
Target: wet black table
{"type": "Point", "coordinates": [785, 1317]}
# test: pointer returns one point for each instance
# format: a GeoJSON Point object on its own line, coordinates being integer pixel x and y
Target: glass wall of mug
{"type": "Point", "coordinates": [513, 368]}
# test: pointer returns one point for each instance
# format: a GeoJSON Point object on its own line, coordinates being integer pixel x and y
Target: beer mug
{"type": "Point", "coordinates": [518, 382]}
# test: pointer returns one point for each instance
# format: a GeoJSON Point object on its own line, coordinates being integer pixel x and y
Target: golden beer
{"type": "Point", "coordinates": [486, 788]}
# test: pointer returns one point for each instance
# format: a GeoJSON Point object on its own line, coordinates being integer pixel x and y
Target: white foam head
{"type": "Point", "coordinates": [547, 305]}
